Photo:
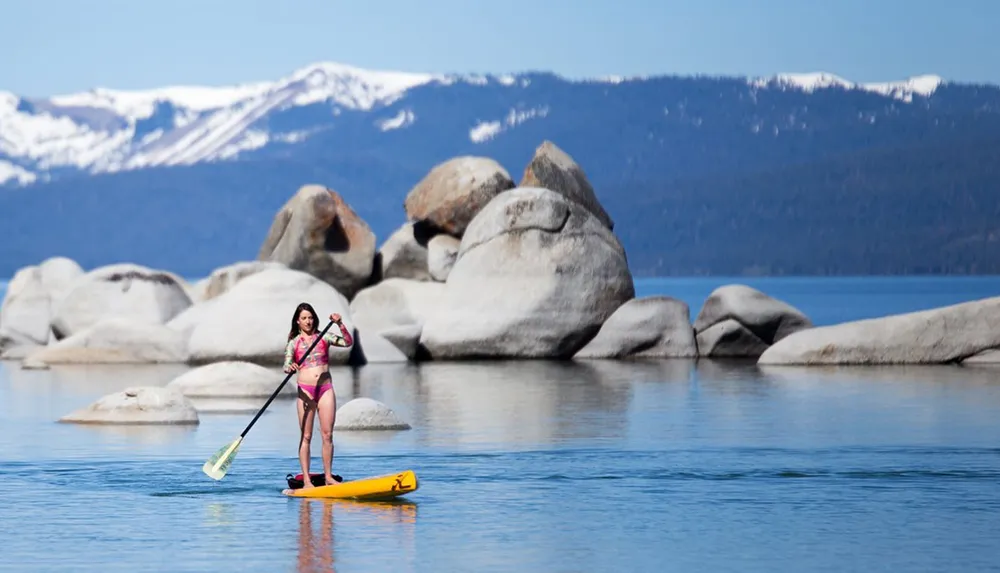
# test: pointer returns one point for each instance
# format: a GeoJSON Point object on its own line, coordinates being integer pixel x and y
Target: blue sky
{"type": "Point", "coordinates": [59, 46]}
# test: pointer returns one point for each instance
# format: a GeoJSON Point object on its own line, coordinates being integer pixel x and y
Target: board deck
{"type": "Point", "coordinates": [370, 488]}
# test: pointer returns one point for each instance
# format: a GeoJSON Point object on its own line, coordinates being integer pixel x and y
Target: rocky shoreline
{"type": "Point", "coordinates": [482, 268]}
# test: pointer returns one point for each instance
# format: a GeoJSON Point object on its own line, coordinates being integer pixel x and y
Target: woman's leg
{"type": "Point", "coordinates": [307, 411]}
{"type": "Point", "coordinates": [327, 416]}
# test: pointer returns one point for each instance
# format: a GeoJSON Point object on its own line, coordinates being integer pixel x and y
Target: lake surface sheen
{"type": "Point", "coordinates": [672, 465]}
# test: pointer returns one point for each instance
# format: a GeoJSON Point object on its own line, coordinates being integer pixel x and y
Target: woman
{"type": "Point", "coordinates": [314, 382]}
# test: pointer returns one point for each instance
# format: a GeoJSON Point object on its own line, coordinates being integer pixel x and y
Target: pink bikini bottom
{"type": "Point", "coordinates": [315, 392]}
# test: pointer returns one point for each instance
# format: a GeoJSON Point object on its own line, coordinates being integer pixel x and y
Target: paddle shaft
{"type": "Point", "coordinates": [285, 381]}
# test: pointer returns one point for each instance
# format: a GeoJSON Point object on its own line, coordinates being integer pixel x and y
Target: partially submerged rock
{"type": "Point", "coordinates": [741, 321]}
{"type": "Point", "coordinates": [536, 277]}
{"type": "Point", "coordinates": [649, 327]}
{"type": "Point", "coordinates": [729, 339]}
{"type": "Point", "coordinates": [368, 414]}
{"type": "Point", "coordinates": [941, 335]}
{"type": "Point", "coordinates": [137, 405]}
{"type": "Point", "coordinates": [231, 379]}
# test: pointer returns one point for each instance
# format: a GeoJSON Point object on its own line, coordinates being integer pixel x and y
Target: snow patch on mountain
{"type": "Point", "coordinates": [905, 90]}
{"type": "Point", "coordinates": [402, 119]}
{"type": "Point", "coordinates": [208, 123]}
{"type": "Point", "coordinates": [484, 131]}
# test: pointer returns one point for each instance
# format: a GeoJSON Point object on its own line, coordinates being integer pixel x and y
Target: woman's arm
{"type": "Point", "coordinates": [289, 355]}
{"type": "Point", "coordinates": [344, 338]}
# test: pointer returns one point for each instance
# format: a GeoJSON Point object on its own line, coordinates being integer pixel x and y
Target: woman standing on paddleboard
{"type": "Point", "coordinates": [315, 384]}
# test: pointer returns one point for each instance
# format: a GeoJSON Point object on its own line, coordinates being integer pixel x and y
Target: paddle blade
{"type": "Point", "coordinates": [217, 465]}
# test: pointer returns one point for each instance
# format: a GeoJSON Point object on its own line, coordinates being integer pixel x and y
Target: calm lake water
{"type": "Point", "coordinates": [672, 465]}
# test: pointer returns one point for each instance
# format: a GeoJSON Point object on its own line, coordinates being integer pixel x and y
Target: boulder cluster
{"type": "Point", "coordinates": [483, 267]}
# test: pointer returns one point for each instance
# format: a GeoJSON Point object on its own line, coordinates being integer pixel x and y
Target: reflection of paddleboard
{"type": "Point", "coordinates": [378, 487]}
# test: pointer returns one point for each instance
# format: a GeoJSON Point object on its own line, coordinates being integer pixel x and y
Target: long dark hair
{"type": "Point", "coordinates": [295, 318]}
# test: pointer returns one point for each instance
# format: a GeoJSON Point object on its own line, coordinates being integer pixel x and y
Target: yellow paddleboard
{"type": "Point", "coordinates": [374, 488]}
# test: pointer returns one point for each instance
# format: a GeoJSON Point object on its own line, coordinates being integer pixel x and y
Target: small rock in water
{"type": "Point", "coordinates": [368, 414]}
{"type": "Point", "coordinates": [137, 405]}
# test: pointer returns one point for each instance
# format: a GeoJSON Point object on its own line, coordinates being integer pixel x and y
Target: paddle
{"type": "Point", "coordinates": [217, 466]}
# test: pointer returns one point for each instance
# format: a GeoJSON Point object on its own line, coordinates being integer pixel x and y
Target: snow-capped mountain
{"type": "Point", "coordinates": [793, 173]}
{"type": "Point", "coordinates": [106, 131]}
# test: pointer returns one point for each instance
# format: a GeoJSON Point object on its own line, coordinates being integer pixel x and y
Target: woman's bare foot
{"type": "Point", "coordinates": [307, 483]}
{"type": "Point", "coordinates": [329, 480]}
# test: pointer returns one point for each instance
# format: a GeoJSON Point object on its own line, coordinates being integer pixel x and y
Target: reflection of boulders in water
{"type": "Point", "coordinates": [520, 401]}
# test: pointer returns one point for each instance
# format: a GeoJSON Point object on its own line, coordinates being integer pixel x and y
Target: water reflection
{"type": "Point", "coordinates": [141, 434]}
{"type": "Point", "coordinates": [394, 522]}
{"type": "Point", "coordinates": [508, 402]}
{"type": "Point", "coordinates": [315, 547]}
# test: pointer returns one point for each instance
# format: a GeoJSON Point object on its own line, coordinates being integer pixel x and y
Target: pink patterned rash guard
{"type": "Point", "coordinates": [319, 356]}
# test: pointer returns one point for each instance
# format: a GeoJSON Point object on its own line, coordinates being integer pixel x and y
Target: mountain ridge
{"type": "Point", "coordinates": [691, 165]}
{"type": "Point", "coordinates": [107, 130]}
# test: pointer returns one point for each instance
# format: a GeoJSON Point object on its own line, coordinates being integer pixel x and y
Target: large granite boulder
{"type": "Point", "coordinates": [552, 168]}
{"type": "Point", "coordinates": [318, 233]}
{"type": "Point", "coordinates": [741, 321]}
{"type": "Point", "coordinates": [649, 327]}
{"type": "Point", "coordinates": [121, 290]}
{"type": "Point", "coordinates": [941, 335]}
{"type": "Point", "coordinates": [231, 379]}
{"type": "Point", "coordinates": [138, 405]}
{"type": "Point", "coordinates": [454, 191]}
{"type": "Point", "coordinates": [536, 276]}
{"type": "Point", "coordinates": [251, 321]}
{"type": "Point", "coordinates": [26, 310]}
